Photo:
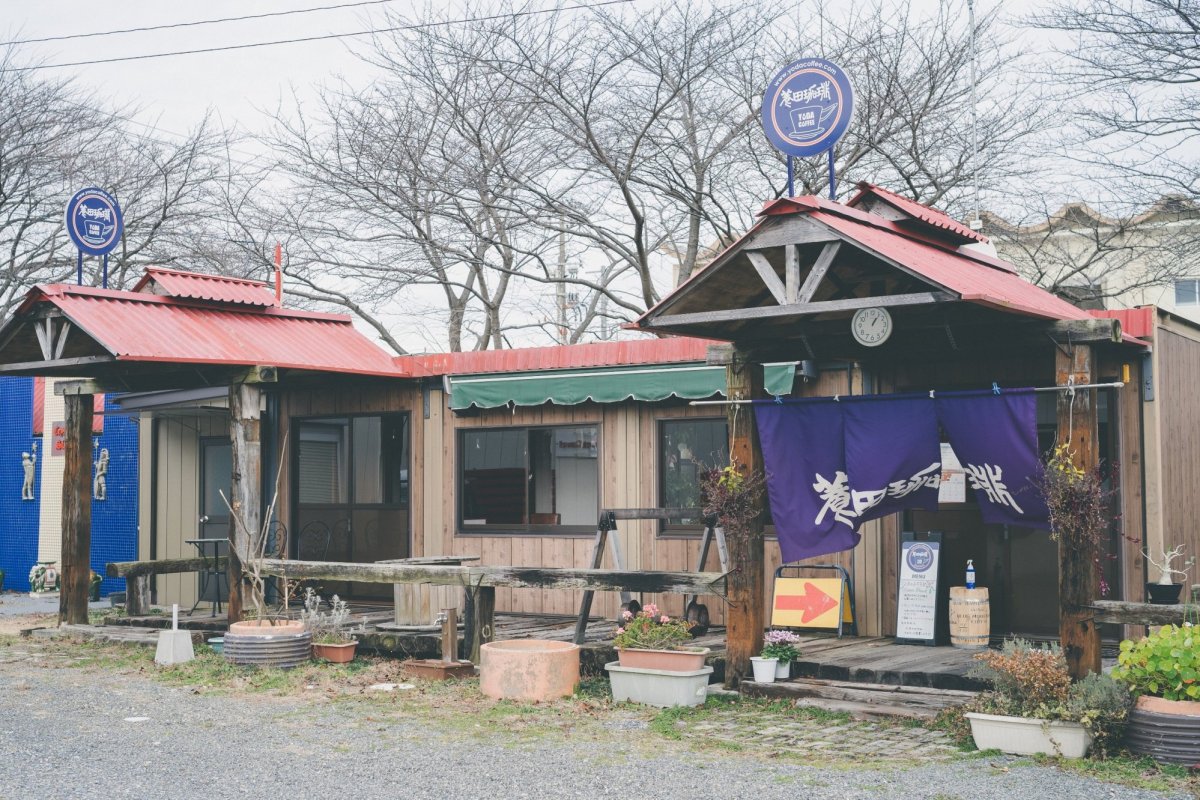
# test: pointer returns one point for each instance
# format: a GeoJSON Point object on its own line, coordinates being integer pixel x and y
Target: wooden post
{"type": "Point", "coordinates": [745, 618]}
{"type": "Point", "coordinates": [137, 595]}
{"type": "Point", "coordinates": [1077, 567]}
{"type": "Point", "coordinates": [75, 571]}
{"type": "Point", "coordinates": [449, 635]}
{"type": "Point", "coordinates": [246, 492]}
{"type": "Point", "coordinates": [481, 619]}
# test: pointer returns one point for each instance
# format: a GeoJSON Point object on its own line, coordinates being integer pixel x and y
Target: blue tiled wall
{"type": "Point", "coordinates": [114, 520]}
{"type": "Point", "coordinates": [18, 518]}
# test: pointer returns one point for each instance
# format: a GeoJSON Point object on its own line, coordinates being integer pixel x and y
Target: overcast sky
{"type": "Point", "coordinates": [173, 93]}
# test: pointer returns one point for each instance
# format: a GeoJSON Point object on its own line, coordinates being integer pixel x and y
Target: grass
{"type": "Point", "coordinates": [1125, 769]}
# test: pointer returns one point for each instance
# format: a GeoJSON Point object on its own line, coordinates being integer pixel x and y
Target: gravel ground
{"type": "Point", "coordinates": [86, 733]}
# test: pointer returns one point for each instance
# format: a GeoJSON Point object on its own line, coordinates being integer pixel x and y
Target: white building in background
{"type": "Point", "coordinates": [1095, 261]}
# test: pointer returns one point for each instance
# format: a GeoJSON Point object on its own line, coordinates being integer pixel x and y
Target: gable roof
{"type": "Point", "coordinates": [967, 274]}
{"type": "Point", "coordinates": [914, 210]}
{"type": "Point", "coordinates": [199, 286]}
{"type": "Point", "coordinates": [128, 326]}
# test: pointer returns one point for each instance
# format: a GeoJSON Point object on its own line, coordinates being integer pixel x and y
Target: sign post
{"type": "Point", "coordinates": [806, 108]}
{"type": "Point", "coordinates": [95, 225]}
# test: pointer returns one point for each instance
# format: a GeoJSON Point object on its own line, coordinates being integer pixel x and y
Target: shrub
{"type": "Point", "coordinates": [327, 628]}
{"type": "Point", "coordinates": [1027, 681]}
{"type": "Point", "coordinates": [650, 629]}
{"type": "Point", "coordinates": [1164, 664]}
{"type": "Point", "coordinates": [1033, 682]}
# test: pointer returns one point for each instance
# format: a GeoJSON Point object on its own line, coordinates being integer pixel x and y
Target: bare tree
{"type": "Point", "coordinates": [1137, 67]}
{"type": "Point", "coordinates": [1096, 260]}
{"type": "Point", "coordinates": [55, 141]}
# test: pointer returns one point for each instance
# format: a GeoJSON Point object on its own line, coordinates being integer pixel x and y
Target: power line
{"type": "Point", "coordinates": [326, 37]}
{"type": "Point", "coordinates": [195, 23]}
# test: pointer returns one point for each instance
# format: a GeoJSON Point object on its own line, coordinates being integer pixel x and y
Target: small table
{"type": "Point", "coordinates": [214, 583]}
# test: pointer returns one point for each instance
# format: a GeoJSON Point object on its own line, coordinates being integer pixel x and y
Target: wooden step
{"type": "Point", "coordinates": [861, 700]}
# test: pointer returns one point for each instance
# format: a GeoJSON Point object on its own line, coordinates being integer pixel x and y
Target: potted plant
{"type": "Point", "coordinates": [781, 646]}
{"type": "Point", "coordinates": [333, 639]}
{"type": "Point", "coordinates": [94, 587]}
{"type": "Point", "coordinates": [652, 640]}
{"type": "Point", "coordinates": [1163, 670]}
{"type": "Point", "coordinates": [1033, 709]}
{"type": "Point", "coordinates": [1166, 591]}
{"type": "Point", "coordinates": [655, 666]}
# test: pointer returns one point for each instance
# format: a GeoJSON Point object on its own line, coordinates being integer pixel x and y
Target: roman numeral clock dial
{"type": "Point", "coordinates": [871, 326]}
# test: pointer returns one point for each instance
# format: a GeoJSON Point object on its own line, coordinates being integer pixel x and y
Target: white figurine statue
{"type": "Point", "coordinates": [100, 482]}
{"type": "Point", "coordinates": [28, 461]}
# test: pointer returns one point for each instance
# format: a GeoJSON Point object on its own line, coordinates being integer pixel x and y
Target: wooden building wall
{"type": "Point", "coordinates": [173, 517]}
{"type": "Point", "coordinates": [1174, 441]}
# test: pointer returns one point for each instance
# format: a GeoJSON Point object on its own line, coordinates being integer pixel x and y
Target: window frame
{"type": "Point", "coordinates": [294, 482]}
{"type": "Point", "coordinates": [1195, 282]}
{"type": "Point", "coordinates": [528, 529]}
{"type": "Point", "coordinates": [668, 531]}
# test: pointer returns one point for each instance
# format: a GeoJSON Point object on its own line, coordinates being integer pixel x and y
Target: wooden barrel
{"type": "Point", "coordinates": [970, 617]}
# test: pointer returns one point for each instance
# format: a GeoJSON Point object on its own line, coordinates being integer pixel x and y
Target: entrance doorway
{"type": "Point", "coordinates": [351, 484]}
{"type": "Point", "coordinates": [1019, 566]}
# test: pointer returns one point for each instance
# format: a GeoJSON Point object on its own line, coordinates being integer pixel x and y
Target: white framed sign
{"type": "Point", "coordinates": [916, 606]}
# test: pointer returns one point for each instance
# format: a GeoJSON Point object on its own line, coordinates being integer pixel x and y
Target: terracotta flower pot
{"type": "Point", "coordinates": [335, 653]}
{"type": "Point", "coordinates": [677, 660]}
{"type": "Point", "coordinates": [266, 627]}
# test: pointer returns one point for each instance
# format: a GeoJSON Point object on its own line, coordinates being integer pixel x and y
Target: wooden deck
{"type": "Point", "coordinates": [879, 660]}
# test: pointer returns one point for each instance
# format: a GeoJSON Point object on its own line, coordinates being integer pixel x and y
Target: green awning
{"type": "Point", "coordinates": [603, 385]}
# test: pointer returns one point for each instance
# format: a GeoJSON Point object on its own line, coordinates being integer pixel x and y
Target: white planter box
{"type": "Point", "coordinates": [658, 687]}
{"type": "Point", "coordinates": [1028, 737]}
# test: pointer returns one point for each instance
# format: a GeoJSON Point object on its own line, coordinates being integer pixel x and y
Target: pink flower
{"type": "Point", "coordinates": [651, 610]}
{"type": "Point", "coordinates": [626, 614]}
{"type": "Point", "coordinates": [664, 619]}
{"type": "Point", "coordinates": [620, 631]}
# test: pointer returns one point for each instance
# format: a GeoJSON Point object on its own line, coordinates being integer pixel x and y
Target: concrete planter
{"type": "Point", "coordinates": [1166, 730]}
{"type": "Point", "coordinates": [658, 687]}
{"type": "Point", "coordinates": [260, 644]}
{"type": "Point", "coordinates": [1027, 737]}
{"type": "Point", "coordinates": [687, 660]}
{"type": "Point", "coordinates": [528, 669]}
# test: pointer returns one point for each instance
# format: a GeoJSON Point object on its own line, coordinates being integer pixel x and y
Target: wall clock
{"type": "Point", "coordinates": [871, 326]}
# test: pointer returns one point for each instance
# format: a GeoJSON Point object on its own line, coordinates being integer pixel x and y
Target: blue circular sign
{"type": "Point", "coordinates": [807, 107]}
{"type": "Point", "coordinates": [919, 557]}
{"type": "Point", "coordinates": [94, 221]}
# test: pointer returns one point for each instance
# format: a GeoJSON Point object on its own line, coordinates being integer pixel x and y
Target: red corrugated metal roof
{"type": "Point", "coordinates": [924, 213]}
{"type": "Point", "coordinates": [1136, 322]}
{"type": "Point", "coordinates": [212, 288]}
{"type": "Point", "coordinates": [530, 359]}
{"type": "Point", "coordinates": [137, 326]}
{"type": "Point", "coordinates": [969, 276]}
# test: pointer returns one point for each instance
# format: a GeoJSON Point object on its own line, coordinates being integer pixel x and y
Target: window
{"type": "Point", "coordinates": [687, 447]}
{"type": "Point", "coordinates": [1187, 292]}
{"type": "Point", "coordinates": [529, 479]}
{"type": "Point", "coordinates": [352, 490]}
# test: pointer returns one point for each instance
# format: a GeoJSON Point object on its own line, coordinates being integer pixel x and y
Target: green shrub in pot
{"type": "Point", "coordinates": [1164, 664]}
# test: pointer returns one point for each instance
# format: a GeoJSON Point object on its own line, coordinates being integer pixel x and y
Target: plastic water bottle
{"type": "Point", "coordinates": [970, 573]}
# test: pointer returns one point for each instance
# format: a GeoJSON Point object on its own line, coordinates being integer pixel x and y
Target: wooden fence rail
{"type": "Point", "coordinates": [137, 575]}
{"type": "Point", "coordinates": [479, 582]}
{"type": "Point", "coordinates": [1124, 613]}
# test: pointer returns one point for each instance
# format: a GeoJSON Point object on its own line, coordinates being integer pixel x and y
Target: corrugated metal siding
{"type": "Point", "coordinates": [1137, 322]}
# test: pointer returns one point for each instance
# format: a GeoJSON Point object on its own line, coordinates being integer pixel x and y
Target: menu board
{"type": "Point", "coordinates": [916, 607]}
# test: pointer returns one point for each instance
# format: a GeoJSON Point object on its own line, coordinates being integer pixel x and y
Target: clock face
{"type": "Point", "coordinates": [871, 326]}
